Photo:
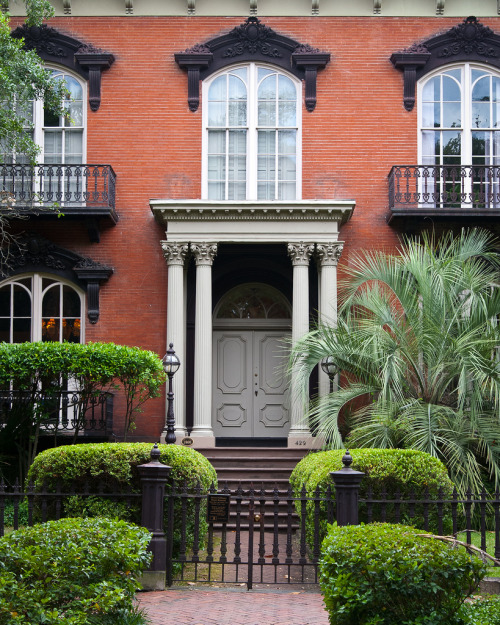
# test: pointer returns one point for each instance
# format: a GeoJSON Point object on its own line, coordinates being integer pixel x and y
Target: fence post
{"type": "Point", "coordinates": [347, 483]}
{"type": "Point", "coordinates": [154, 476]}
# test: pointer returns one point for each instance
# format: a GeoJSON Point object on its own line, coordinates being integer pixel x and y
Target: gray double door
{"type": "Point", "coordinates": [250, 397]}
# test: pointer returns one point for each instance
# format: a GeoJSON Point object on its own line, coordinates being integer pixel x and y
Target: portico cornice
{"type": "Point", "coordinates": [252, 210]}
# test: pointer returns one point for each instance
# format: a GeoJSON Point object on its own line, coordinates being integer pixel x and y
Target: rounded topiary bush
{"type": "Point", "coordinates": [387, 471]}
{"type": "Point", "coordinates": [112, 467]}
{"type": "Point", "coordinates": [78, 571]}
{"type": "Point", "coordinates": [386, 574]}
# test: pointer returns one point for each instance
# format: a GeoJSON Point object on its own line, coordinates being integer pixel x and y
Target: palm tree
{"type": "Point", "coordinates": [417, 344]}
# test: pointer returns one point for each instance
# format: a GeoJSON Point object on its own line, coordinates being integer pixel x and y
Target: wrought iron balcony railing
{"type": "Point", "coordinates": [61, 411]}
{"type": "Point", "coordinates": [74, 189]}
{"type": "Point", "coordinates": [444, 190]}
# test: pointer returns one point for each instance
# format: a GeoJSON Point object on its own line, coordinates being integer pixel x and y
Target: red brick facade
{"type": "Point", "coordinates": [145, 130]}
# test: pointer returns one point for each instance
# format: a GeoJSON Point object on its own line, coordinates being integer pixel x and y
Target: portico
{"type": "Point", "coordinates": [198, 228]}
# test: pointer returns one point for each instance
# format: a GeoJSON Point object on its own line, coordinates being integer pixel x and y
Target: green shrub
{"type": "Point", "coordinates": [384, 574]}
{"type": "Point", "coordinates": [408, 471]}
{"type": "Point", "coordinates": [73, 571]}
{"type": "Point", "coordinates": [112, 467]}
{"type": "Point", "coordinates": [482, 611]}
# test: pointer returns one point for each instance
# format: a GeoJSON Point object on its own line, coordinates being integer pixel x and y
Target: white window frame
{"type": "Point", "coordinates": [38, 116]}
{"type": "Point", "coordinates": [251, 180]}
{"type": "Point", "coordinates": [37, 293]}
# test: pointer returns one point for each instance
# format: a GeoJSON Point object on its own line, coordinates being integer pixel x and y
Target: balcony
{"type": "Point", "coordinates": [83, 191]}
{"type": "Point", "coordinates": [444, 191]}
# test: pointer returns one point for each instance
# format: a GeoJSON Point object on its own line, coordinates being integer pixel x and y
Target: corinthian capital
{"type": "Point", "coordinates": [204, 253]}
{"type": "Point", "coordinates": [174, 253]}
{"type": "Point", "coordinates": [300, 253]}
{"type": "Point", "coordinates": [329, 253]}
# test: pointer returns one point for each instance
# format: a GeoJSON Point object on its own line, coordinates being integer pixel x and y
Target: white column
{"type": "Point", "coordinates": [204, 254]}
{"type": "Point", "coordinates": [300, 254]}
{"type": "Point", "coordinates": [328, 255]}
{"type": "Point", "coordinates": [175, 255]}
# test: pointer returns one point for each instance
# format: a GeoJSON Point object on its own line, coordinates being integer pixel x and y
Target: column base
{"type": "Point", "coordinates": [201, 441]}
{"type": "Point", "coordinates": [305, 441]}
{"type": "Point", "coordinates": [180, 433]}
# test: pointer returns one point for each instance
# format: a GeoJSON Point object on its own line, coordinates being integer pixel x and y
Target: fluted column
{"type": "Point", "coordinates": [328, 255]}
{"type": "Point", "coordinates": [204, 254]}
{"type": "Point", "coordinates": [300, 253]}
{"type": "Point", "coordinates": [175, 255]}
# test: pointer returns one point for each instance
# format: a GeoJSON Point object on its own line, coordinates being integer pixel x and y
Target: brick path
{"type": "Point", "coordinates": [233, 606]}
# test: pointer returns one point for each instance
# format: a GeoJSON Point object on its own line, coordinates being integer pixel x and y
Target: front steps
{"type": "Point", "coordinates": [258, 468]}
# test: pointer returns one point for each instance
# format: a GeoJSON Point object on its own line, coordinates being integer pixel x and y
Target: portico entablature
{"type": "Point", "coordinates": [252, 221]}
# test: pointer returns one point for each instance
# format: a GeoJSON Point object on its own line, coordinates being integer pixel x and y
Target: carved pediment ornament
{"type": "Point", "coordinates": [34, 253]}
{"type": "Point", "coordinates": [251, 41]}
{"type": "Point", "coordinates": [468, 41]}
{"type": "Point", "coordinates": [82, 58]}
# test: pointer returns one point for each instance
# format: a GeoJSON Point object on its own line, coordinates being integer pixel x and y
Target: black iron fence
{"type": "Point", "coordinates": [447, 188]}
{"type": "Point", "coordinates": [27, 187]}
{"type": "Point", "coordinates": [258, 536]}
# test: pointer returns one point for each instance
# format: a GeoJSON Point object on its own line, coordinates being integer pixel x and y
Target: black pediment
{"type": "Point", "coordinates": [469, 41]}
{"type": "Point", "coordinates": [79, 57]}
{"type": "Point", "coordinates": [252, 41]}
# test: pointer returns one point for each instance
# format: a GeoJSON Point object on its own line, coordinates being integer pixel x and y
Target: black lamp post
{"type": "Point", "coordinates": [329, 367]}
{"type": "Point", "coordinates": [170, 365]}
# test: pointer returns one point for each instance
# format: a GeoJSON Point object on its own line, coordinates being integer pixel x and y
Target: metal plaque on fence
{"type": "Point", "coordinates": [218, 508]}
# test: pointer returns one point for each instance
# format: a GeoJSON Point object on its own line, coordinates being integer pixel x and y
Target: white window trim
{"type": "Point", "coordinates": [251, 187]}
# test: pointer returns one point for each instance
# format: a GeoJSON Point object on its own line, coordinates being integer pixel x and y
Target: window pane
{"type": "Point", "coordinates": [481, 90]}
{"type": "Point", "coordinates": [451, 144]}
{"type": "Point", "coordinates": [71, 330]}
{"type": "Point", "coordinates": [451, 90]}
{"type": "Point", "coordinates": [50, 304]}
{"type": "Point", "coordinates": [21, 330]}
{"type": "Point", "coordinates": [238, 141]}
{"type": "Point", "coordinates": [216, 142]}
{"type": "Point", "coordinates": [237, 89]}
{"type": "Point", "coordinates": [73, 145]}
{"type": "Point", "coordinates": [267, 114]}
{"type": "Point", "coordinates": [216, 191]}
{"type": "Point", "coordinates": [22, 302]}
{"type": "Point", "coordinates": [5, 301]}
{"type": "Point", "coordinates": [51, 119]}
{"type": "Point", "coordinates": [267, 89]}
{"type": "Point", "coordinates": [53, 145]}
{"type": "Point", "coordinates": [75, 110]}
{"type": "Point", "coordinates": [432, 90]}
{"type": "Point", "coordinates": [263, 72]}
{"type": "Point", "coordinates": [71, 302]}
{"type": "Point", "coordinates": [429, 139]}
{"type": "Point", "coordinates": [237, 168]}
{"type": "Point", "coordinates": [267, 141]}
{"type": "Point", "coordinates": [5, 330]}
{"type": "Point", "coordinates": [266, 168]}
{"type": "Point", "coordinates": [452, 114]}
{"type": "Point", "coordinates": [237, 191]}
{"type": "Point", "coordinates": [286, 89]}
{"type": "Point", "coordinates": [216, 113]}
{"type": "Point", "coordinates": [287, 143]}
{"type": "Point", "coordinates": [218, 90]}
{"type": "Point", "coordinates": [286, 114]}
{"type": "Point", "coordinates": [74, 88]}
{"type": "Point", "coordinates": [428, 115]}
{"type": "Point", "coordinates": [481, 115]}
{"type": "Point", "coordinates": [237, 113]}
{"type": "Point", "coordinates": [50, 329]}
{"type": "Point", "coordinates": [216, 167]}
{"type": "Point", "coordinates": [286, 191]}
{"type": "Point", "coordinates": [265, 191]}
{"type": "Point", "coordinates": [287, 168]}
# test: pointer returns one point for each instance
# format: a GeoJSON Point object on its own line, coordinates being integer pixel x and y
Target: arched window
{"type": "Point", "coordinates": [252, 135]}
{"type": "Point", "coordinates": [253, 301]}
{"type": "Point", "coordinates": [39, 307]}
{"type": "Point", "coordinates": [460, 117]}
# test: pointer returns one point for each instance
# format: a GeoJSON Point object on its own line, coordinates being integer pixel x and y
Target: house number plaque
{"type": "Point", "coordinates": [218, 508]}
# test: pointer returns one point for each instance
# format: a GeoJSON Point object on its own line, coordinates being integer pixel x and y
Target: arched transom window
{"type": "Point", "coordinates": [253, 301]}
{"type": "Point", "coordinates": [40, 308]}
{"type": "Point", "coordinates": [252, 135]}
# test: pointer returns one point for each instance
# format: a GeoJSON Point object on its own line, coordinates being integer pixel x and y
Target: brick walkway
{"type": "Point", "coordinates": [234, 606]}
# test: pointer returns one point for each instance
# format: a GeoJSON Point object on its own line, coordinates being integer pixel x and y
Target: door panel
{"type": "Point", "coordinates": [250, 396]}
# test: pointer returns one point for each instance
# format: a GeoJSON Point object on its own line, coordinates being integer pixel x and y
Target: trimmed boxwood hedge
{"type": "Point", "coordinates": [112, 467]}
{"type": "Point", "coordinates": [408, 471]}
{"type": "Point", "coordinates": [385, 574]}
{"type": "Point", "coordinates": [75, 571]}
